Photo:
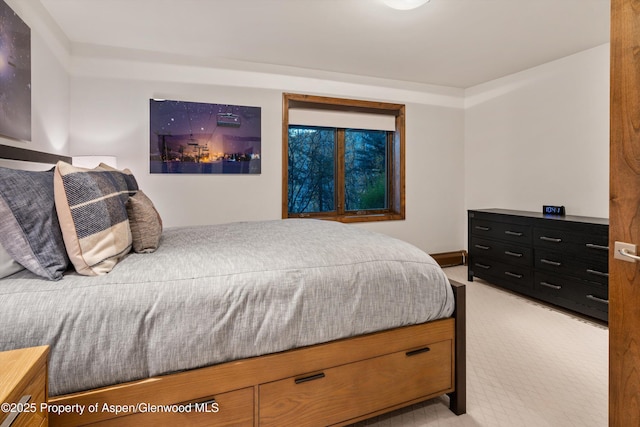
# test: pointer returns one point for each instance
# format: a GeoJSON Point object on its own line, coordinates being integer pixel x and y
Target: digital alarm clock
{"type": "Point", "coordinates": [553, 210]}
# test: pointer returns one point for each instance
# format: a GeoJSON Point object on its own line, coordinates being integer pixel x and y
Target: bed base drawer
{"type": "Point", "coordinates": [234, 408]}
{"type": "Point", "coordinates": [376, 377]}
{"type": "Point", "coordinates": [357, 389]}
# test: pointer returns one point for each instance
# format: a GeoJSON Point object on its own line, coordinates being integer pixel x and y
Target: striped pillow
{"type": "Point", "coordinates": [91, 207]}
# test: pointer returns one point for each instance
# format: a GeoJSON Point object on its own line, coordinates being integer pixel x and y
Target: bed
{"type": "Point", "coordinates": [286, 322]}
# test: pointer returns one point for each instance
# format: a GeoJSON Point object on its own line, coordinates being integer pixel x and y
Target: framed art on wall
{"type": "Point", "coordinates": [202, 138]}
{"type": "Point", "coordinates": [15, 75]}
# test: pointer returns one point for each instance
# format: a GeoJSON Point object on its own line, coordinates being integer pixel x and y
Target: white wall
{"type": "Point", "coordinates": [110, 115]}
{"type": "Point", "coordinates": [541, 137]}
{"type": "Point", "coordinates": [532, 138]}
{"type": "Point", "coordinates": [49, 83]}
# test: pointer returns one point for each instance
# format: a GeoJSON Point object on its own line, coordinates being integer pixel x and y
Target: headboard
{"type": "Point", "coordinates": [24, 155]}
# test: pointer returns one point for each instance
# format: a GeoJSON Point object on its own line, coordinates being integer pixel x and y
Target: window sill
{"type": "Point", "coordinates": [354, 218]}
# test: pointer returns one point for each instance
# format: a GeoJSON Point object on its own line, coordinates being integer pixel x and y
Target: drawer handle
{"type": "Point", "coordinates": [550, 239]}
{"type": "Point", "coordinates": [517, 276]}
{"type": "Point", "coordinates": [597, 273]}
{"type": "Point", "coordinates": [599, 247]}
{"type": "Point", "coordinates": [549, 262]}
{"type": "Point", "coordinates": [481, 228]}
{"type": "Point", "coordinates": [515, 254]}
{"type": "Point", "coordinates": [418, 351]}
{"type": "Point", "coordinates": [200, 406]}
{"type": "Point", "coordinates": [550, 285]}
{"type": "Point", "coordinates": [513, 233]}
{"type": "Point", "coordinates": [600, 300]}
{"type": "Point", "coordinates": [13, 415]}
{"type": "Point", "coordinates": [309, 378]}
{"type": "Point", "coordinates": [486, 267]}
{"type": "Point", "coordinates": [483, 247]}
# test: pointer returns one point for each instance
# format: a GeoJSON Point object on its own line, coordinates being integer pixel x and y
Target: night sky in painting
{"type": "Point", "coordinates": [15, 75]}
{"type": "Point", "coordinates": [195, 137]}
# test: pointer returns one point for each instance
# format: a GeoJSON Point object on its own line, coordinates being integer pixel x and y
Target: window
{"type": "Point", "coordinates": [343, 159]}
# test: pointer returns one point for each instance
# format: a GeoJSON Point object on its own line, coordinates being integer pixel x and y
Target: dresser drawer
{"type": "Point", "coordinates": [344, 392]}
{"type": "Point", "coordinates": [573, 293]}
{"type": "Point", "coordinates": [513, 233]}
{"type": "Point", "coordinates": [234, 408]}
{"type": "Point", "coordinates": [580, 245]}
{"type": "Point", "coordinates": [595, 297]}
{"type": "Point", "coordinates": [515, 277]}
{"type": "Point", "coordinates": [508, 252]}
{"type": "Point", "coordinates": [594, 270]}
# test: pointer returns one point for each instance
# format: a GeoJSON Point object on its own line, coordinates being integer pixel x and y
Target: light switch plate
{"type": "Point", "coordinates": [631, 248]}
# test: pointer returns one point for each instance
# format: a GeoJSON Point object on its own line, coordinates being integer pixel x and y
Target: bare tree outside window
{"type": "Point", "coordinates": [343, 173]}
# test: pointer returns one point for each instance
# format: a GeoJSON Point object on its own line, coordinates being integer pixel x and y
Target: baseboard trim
{"type": "Point", "coordinates": [450, 259]}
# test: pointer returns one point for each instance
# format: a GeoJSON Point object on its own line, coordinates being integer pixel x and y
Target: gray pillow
{"type": "Point", "coordinates": [29, 228]}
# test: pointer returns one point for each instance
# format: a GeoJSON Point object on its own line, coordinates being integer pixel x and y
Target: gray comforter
{"type": "Point", "coordinates": [218, 293]}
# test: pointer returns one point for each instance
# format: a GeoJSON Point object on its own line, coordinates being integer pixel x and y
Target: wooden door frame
{"type": "Point", "coordinates": [624, 214]}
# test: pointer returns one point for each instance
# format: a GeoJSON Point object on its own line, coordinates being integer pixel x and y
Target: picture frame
{"type": "Point", "coordinates": [15, 75]}
{"type": "Point", "coordinates": [203, 138]}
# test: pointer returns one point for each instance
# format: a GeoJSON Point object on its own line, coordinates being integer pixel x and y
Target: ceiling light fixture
{"type": "Point", "coordinates": [405, 4]}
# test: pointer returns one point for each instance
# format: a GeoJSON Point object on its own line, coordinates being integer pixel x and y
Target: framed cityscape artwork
{"type": "Point", "coordinates": [202, 138]}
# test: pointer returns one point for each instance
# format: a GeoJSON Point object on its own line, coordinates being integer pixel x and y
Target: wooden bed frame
{"type": "Point", "coordinates": [335, 383]}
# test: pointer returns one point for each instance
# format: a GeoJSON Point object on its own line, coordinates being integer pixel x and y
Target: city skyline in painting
{"type": "Point", "coordinates": [203, 138]}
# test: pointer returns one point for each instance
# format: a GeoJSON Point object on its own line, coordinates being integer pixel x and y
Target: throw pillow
{"type": "Point", "coordinates": [91, 207]}
{"type": "Point", "coordinates": [29, 228]}
{"type": "Point", "coordinates": [145, 222]}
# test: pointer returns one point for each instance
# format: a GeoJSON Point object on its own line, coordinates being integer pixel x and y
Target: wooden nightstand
{"type": "Point", "coordinates": [24, 387]}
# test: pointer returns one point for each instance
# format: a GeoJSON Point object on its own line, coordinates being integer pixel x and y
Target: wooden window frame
{"type": "Point", "coordinates": [396, 174]}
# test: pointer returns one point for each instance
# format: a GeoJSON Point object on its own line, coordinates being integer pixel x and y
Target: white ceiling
{"type": "Point", "coordinates": [458, 43]}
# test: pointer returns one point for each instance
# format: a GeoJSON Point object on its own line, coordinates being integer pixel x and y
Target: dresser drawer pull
{"type": "Point", "coordinates": [515, 254]}
{"type": "Point", "coordinates": [550, 239]}
{"type": "Point", "coordinates": [517, 276]}
{"type": "Point", "coordinates": [483, 247]}
{"type": "Point", "coordinates": [597, 273]}
{"type": "Point", "coordinates": [513, 233]}
{"type": "Point", "coordinates": [549, 262]}
{"type": "Point", "coordinates": [599, 247]}
{"type": "Point", "coordinates": [550, 285]}
{"type": "Point", "coordinates": [418, 351]}
{"type": "Point", "coordinates": [309, 378]}
{"type": "Point", "coordinates": [13, 415]}
{"type": "Point", "coordinates": [486, 267]}
{"type": "Point", "coordinates": [201, 406]}
{"type": "Point", "coordinates": [600, 300]}
{"type": "Point", "coordinates": [481, 228]}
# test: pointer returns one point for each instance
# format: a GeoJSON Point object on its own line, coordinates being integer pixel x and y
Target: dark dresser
{"type": "Point", "coordinates": [558, 259]}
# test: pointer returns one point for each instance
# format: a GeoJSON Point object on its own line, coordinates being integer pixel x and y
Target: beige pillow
{"type": "Point", "coordinates": [145, 223]}
{"type": "Point", "coordinates": [91, 207]}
